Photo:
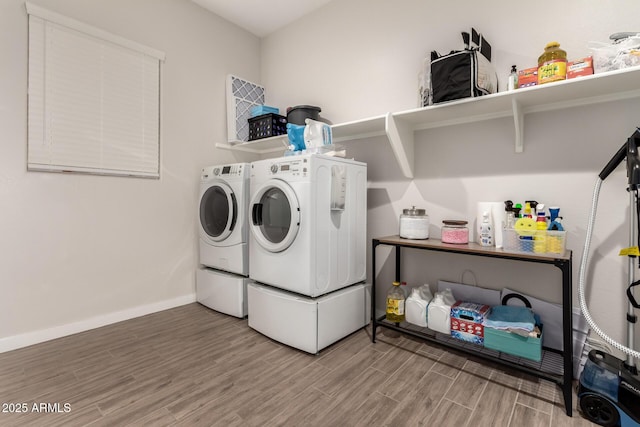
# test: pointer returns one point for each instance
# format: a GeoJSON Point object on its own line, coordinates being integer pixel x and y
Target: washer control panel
{"type": "Point", "coordinates": [293, 167]}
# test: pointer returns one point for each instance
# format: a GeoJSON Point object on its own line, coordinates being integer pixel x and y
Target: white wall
{"type": "Point", "coordinates": [359, 58]}
{"type": "Point", "coordinates": [78, 250]}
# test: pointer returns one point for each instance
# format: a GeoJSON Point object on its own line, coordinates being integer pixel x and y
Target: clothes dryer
{"type": "Point", "coordinates": [223, 232]}
{"type": "Point", "coordinates": [308, 223]}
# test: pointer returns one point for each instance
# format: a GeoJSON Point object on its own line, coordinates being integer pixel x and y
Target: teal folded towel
{"type": "Point", "coordinates": [510, 317]}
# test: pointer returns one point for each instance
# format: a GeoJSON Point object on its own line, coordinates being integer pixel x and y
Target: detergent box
{"type": "Point", "coordinates": [466, 321]}
{"type": "Point", "coordinates": [528, 77]}
{"type": "Point", "coordinates": [581, 67]}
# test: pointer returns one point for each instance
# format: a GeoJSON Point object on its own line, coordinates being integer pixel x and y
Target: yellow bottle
{"type": "Point", "coordinates": [395, 303]}
{"type": "Point", "coordinates": [540, 238]}
{"type": "Point", "coordinates": [552, 64]}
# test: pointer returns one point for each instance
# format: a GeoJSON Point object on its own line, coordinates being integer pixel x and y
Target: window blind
{"type": "Point", "coordinates": [93, 99]}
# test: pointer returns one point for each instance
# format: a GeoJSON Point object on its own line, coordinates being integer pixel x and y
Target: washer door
{"type": "Point", "coordinates": [218, 211]}
{"type": "Point", "coordinates": [275, 215]}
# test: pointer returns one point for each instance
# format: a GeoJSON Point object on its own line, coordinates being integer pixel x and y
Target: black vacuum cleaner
{"type": "Point", "coordinates": [609, 388]}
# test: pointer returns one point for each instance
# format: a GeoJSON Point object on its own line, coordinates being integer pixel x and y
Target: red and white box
{"type": "Point", "coordinates": [581, 67]}
{"type": "Point", "coordinates": [466, 321]}
{"type": "Point", "coordinates": [528, 77]}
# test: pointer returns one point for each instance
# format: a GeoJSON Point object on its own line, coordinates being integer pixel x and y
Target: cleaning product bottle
{"type": "Point", "coordinates": [540, 238]}
{"type": "Point", "coordinates": [555, 235]}
{"type": "Point", "coordinates": [439, 311]}
{"type": "Point", "coordinates": [486, 235]}
{"type": "Point", "coordinates": [295, 133]}
{"type": "Point", "coordinates": [516, 210]}
{"type": "Point", "coordinates": [316, 134]}
{"type": "Point", "coordinates": [395, 303]}
{"type": "Point", "coordinates": [513, 79]}
{"type": "Point", "coordinates": [552, 64]}
{"type": "Point", "coordinates": [511, 217]}
{"type": "Point", "coordinates": [416, 308]}
{"type": "Point", "coordinates": [507, 227]}
{"type": "Point", "coordinates": [554, 219]}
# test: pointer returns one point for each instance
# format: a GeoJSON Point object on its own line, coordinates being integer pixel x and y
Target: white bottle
{"type": "Point", "coordinates": [439, 312]}
{"type": "Point", "coordinates": [416, 309]}
{"type": "Point", "coordinates": [513, 79]}
{"type": "Point", "coordinates": [317, 134]}
{"type": "Point", "coordinates": [486, 231]}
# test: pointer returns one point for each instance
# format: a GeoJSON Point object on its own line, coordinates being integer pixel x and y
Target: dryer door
{"type": "Point", "coordinates": [218, 211]}
{"type": "Point", "coordinates": [275, 215]}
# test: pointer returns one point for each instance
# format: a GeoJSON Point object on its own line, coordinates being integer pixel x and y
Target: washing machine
{"type": "Point", "coordinates": [308, 223]}
{"type": "Point", "coordinates": [221, 281]}
{"type": "Point", "coordinates": [224, 196]}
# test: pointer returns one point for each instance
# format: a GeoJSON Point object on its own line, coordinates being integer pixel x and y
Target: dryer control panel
{"type": "Point", "coordinates": [222, 171]}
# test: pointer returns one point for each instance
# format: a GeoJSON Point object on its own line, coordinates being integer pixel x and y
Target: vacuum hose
{"type": "Point", "coordinates": [582, 276]}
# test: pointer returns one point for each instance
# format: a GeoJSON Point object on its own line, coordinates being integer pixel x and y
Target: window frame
{"type": "Point", "coordinates": [107, 141]}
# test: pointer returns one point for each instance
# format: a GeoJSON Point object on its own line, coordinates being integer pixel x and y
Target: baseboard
{"type": "Point", "coordinates": [36, 337]}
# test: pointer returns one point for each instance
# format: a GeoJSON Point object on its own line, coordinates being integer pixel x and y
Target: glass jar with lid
{"type": "Point", "coordinates": [455, 231]}
{"type": "Point", "coordinates": [414, 224]}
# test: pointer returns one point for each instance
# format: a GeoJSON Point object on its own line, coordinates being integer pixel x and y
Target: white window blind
{"type": "Point", "coordinates": [94, 99]}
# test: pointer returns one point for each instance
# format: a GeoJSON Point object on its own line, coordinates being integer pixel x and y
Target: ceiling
{"type": "Point", "coordinates": [261, 17]}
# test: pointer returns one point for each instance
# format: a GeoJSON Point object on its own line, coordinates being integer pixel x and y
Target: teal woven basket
{"type": "Point", "coordinates": [506, 342]}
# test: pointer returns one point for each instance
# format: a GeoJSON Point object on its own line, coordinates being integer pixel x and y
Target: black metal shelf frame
{"type": "Point", "coordinates": [562, 376]}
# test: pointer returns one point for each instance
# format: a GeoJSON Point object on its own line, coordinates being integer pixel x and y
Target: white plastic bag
{"type": "Point", "coordinates": [471, 292]}
{"type": "Point", "coordinates": [622, 53]}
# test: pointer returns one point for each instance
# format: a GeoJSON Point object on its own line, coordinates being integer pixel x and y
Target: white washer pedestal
{"type": "Point", "coordinates": [221, 291]}
{"type": "Point", "coordinates": [308, 324]}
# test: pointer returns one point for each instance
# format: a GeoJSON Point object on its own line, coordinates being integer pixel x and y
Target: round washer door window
{"type": "Point", "coordinates": [275, 216]}
{"type": "Point", "coordinates": [218, 211]}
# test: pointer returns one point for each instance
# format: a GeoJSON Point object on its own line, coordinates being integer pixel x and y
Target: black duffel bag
{"type": "Point", "coordinates": [462, 74]}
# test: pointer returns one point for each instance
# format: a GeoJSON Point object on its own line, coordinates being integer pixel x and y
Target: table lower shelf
{"type": "Point", "coordinates": [550, 366]}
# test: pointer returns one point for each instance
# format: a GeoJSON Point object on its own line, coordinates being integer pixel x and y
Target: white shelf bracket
{"type": "Point", "coordinates": [400, 135]}
{"type": "Point", "coordinates": [518, 120]}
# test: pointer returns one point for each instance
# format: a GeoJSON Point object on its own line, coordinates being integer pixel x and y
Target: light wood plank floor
{"type": "Point", "coordinates": [191, 366]}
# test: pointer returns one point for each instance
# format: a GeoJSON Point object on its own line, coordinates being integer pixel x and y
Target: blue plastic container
{"type": "Point", "coordinates": [260, 110]}
{"type": "Point", "coordinates": [295, 133]}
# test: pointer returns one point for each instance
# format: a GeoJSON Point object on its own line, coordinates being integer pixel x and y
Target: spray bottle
{"type": "Point", "coordinates": [554, 219]}
{"type": "Point", "coordinates": [510, 215]}
{"type": "Point", "coordinates": [516, 210]}
{"type": "Point", "coordinates": [485, 230]}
